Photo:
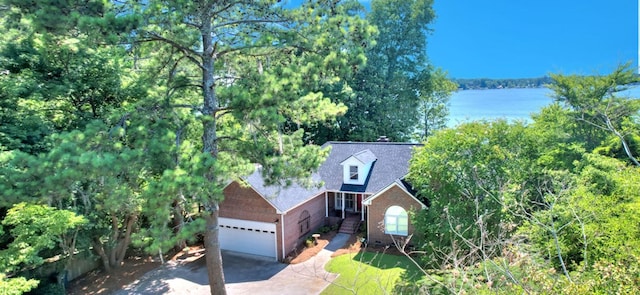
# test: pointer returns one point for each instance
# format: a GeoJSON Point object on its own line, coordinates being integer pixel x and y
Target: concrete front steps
{"type": "Point", "coordinates": [350, 225]}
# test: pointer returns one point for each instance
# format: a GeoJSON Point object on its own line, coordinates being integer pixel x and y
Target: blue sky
{"type": "Point", "coordinates": [525, 39]}
{"type": "Point", "coordinates": [519, 39]}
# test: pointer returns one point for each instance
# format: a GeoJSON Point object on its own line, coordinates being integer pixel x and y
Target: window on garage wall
{"type": "Point", "coordinates": [304, 222]}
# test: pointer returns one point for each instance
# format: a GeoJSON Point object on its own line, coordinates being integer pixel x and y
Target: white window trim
{"type": "Point", "coordinates": [354, 175]}
{"type": "Point", "coordinates": [393, 227]}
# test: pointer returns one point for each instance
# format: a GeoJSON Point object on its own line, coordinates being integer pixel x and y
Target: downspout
{"type": "Point", "coordinates": [368, 227]}
{"type": "Point", "coordinates": [326, 205]}
{"type": "Point", "coordinates": [282, 236]}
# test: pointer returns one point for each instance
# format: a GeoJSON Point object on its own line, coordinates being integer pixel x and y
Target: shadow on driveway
{"type": "Point", "coordinates": [239, 268]}
{"type": "Point", "coordinates": [244, 274]}
{"type": "Point", "coordinates": [191, 278]}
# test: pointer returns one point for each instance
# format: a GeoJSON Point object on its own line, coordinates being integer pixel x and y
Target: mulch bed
{"type": "Point", "coordinates": [302, 253]}
{"type": "Point", "coordinates": [353, 245]}
{"type": "Point", "coordinates": [99, 282]}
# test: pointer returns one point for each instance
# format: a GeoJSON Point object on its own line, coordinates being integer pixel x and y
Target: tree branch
{"type": "Point", "coordinates": [246, 21]}
{"type": "Point", "coordinates": [189, 53]}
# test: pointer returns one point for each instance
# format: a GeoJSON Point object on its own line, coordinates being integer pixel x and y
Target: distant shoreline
{"type": "Point", "coordinates": [525, 83]}
{"type": "Point", "coordinates": [485, 83]}
{"type": "Point", "coordinates": [498, 88]}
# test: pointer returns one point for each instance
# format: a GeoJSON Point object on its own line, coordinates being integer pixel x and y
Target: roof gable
{"type": "Point", "coordinates": [399, 184]}
{"type": "Point", "coordinates": [365, 157]}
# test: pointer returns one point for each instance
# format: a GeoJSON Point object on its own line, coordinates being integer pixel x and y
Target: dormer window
{"type": "Point", "coordinates": [357, 167]}
{"type": "Point", "coordinates": [353, 172]}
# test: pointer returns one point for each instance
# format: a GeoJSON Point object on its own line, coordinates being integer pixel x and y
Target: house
{"type": "Point", "coordinates": [361, 181]}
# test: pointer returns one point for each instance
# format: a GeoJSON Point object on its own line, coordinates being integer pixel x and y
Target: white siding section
{"type": "Point", "coordinates": [363, 171]}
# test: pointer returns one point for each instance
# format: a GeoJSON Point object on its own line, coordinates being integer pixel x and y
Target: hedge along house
{"type": "Point", "coordinates": [358, 180]}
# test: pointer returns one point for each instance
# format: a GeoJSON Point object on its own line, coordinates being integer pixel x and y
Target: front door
{"type": "Point", "coordinates": [349, 202]}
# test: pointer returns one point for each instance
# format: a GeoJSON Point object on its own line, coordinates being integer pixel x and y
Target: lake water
{"type": "Point", "coordinates": [511, 104]}
{"type": "Point", "coordinates": [490, 104]}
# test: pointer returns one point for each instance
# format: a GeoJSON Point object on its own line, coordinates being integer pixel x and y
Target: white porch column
{"type": "Point", "coordinates": [342, 198]}
{"type": "Point", "coordinates": [363, 208]}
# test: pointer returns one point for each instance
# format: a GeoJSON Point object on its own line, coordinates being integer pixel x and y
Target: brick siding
{"type": "Point", "coordinates": [245, 203]}
{"type": "Point", "coordinates": [394, 196]}
{"type": "Point", "coordinates": [293, 237]}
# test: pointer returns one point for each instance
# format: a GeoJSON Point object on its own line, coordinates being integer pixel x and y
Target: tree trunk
{"type": "Point", "coordinates": [123, 244]}
{"type": "Point", "coordinates": [178, 224]}
{"type": "Point", "coordinates": [115, 233]}
{"type": "Point", "coordinates": [213, 257]}
{"type": "Point", "coordinates": [625, 145]}
{"type": "Point", "coordinates": [113, 253]}
{"type": "Point", "coordinates": [98, 247]}
{"type": "Point", "coordinates": [210, 145]}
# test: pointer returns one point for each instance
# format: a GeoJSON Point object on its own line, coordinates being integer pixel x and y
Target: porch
{"type": "Point", "coordinates": [345, 204]}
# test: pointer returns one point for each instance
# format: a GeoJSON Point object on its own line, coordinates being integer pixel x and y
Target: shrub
{"type": "Point", "coordinates": [324, 229]}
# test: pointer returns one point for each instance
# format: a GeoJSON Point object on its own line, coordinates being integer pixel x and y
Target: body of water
{"type": "Point", "coordinates": [491, 104]}
{"type": "Point", "coordinates": [511, 104]}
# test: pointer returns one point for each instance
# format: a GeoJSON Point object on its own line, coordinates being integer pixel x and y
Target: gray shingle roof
{"type": "Point", "coordinates": [391, 164]}
{"type": "Point", "coordinates": [284, 198]}
{"type": "Point", "coordinates": [366, 156]}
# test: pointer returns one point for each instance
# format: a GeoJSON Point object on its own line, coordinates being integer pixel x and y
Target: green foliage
{"type": "Point", "coordinates": [530, 276]}
{"type": "Point", "coordinates": [557, 141]}
{"type": "Point", "coordinates": [16, 286]}
{"type": "Point", "coordinates": [467, 175]}
{"type": "Point", "coordinates": [32, 228]}
{"type": "Point", "coordinates": [600, 112]}
{"type": "Point", "coordinates": [434, 96]}
{"type": "Point", "coordinates": [519, 272]}
{"type": "Point", "coordinates": [139, 138]}
{"type": "Point", "coordinates": [103, 21]}
{"type": "Point", "coordinates": [564, 197]}
{"type": "Point", "coordinates": [57, 84]}
{"type": "Point", "coordinates": [50, 288]}
{"type": "Point", "coordinates": [388, 89]}
{"type": "Point", "coordinates": [597, 215]}
{"type": "Point", "coordinates": [98, 172]}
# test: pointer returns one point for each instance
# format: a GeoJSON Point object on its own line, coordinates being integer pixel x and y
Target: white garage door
{"type": "Point", "coordinates": [258, 238]}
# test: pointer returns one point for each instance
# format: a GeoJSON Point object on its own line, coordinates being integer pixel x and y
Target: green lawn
{"type": "Point", "coordinates": [371, 273]}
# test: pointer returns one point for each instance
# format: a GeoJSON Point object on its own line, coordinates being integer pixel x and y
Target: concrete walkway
{"type": "Point", "coordinates": [308, 277]}
{"type": "Point", "coordinates": [244, 274]}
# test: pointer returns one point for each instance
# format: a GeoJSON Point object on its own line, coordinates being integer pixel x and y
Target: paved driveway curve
{"type": "Point", "coordinates": [244, 274]}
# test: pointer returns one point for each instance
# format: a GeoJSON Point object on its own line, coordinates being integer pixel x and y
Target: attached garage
{"type": "Point", "coordinates": [245, 236]}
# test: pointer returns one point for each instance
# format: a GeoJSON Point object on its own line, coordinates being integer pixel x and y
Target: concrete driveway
{"type": "Point", "coordinates": [244, 274]}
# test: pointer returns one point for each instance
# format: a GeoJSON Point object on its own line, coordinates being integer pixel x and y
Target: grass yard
{"type": "Point", "coordinates": [372, 273]}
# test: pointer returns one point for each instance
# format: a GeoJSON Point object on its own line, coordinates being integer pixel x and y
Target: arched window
{"type": "Point", "coordinates": [396, 221]}
{"type": "Point", "coordinates": [304, 222]}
